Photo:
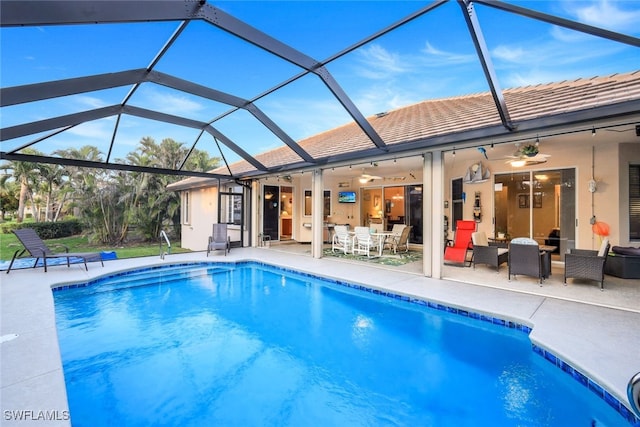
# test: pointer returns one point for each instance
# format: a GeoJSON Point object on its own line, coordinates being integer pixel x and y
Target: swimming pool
{"type": "Point", "coordinates": [253, 345]}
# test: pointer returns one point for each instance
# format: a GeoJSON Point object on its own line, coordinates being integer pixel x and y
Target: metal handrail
{"type": "Point", "coordinates": [166, 238]}
{"type": "Point", "coordinates": [633, 393]}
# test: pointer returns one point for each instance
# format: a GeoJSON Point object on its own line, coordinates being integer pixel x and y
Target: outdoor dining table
{"type": "Point", "coordinates": [381, 236]}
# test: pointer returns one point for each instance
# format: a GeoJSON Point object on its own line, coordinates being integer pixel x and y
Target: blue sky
{"type": "Point", "coordinates": [431, 57]}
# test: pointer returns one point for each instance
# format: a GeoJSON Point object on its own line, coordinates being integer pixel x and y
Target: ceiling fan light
{"type": "Point", "coordinates": [518, 163]}
{"type": "Point", "coordinates": [363, 180]}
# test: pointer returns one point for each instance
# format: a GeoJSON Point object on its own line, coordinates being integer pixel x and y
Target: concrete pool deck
{"type": "Point", "coordinates": [600, 341]}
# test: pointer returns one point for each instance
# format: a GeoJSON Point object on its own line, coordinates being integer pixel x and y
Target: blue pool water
{"type": "Point", "coordinates": [252, 345]}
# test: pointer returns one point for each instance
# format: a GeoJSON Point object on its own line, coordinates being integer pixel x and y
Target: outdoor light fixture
{"type": "Point", "coordinates": [593, 131]}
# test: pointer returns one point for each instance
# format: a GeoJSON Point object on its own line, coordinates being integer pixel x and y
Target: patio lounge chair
{"type": "Point", "coordinates": [219, 240]}
{"type": "Point", "coordinates": [397, 242]}
{"type": "Point", "coordinates": [342, 240]}
{"type": "Point", "coordinates": [363, 242]}
{"type": "Point", "coordinates": [586, 264]}
{"type": "Point", "coordinates": [461, 243]}
{"type": "Point", "coordinates": [37, 249]}
{"type": "Point", "coordinates": [526, 258]}
{"type": "Point", "coordinates": [487, 253]}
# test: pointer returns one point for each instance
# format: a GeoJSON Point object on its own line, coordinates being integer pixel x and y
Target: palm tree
{"type": "Point", "coordinates": [26, 174]}
{"type": "Point", "coordinates": [51, 180]}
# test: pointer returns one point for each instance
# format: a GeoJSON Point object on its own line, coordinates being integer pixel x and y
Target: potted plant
{"type": "Point", "coordinates": [529, 150]}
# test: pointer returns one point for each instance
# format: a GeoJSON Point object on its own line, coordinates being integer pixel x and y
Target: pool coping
{"type": "Point", "coordinates": [392, 284]}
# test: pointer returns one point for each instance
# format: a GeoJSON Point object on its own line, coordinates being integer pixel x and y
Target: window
{"type": "Point", "coordinates": [307, 202]}
{"type": "Point", "coordinates": [457, 201]}
{"type": "Point", "coordinates": [186, 211]}
{"type": "Point", "coordinates": [231, 208]}
{"type": "Point", "coordinates": [634, 202]}
{"type": "Point", "coordinates": [326, 202]}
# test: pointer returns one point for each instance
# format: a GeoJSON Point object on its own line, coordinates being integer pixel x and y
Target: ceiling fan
{"type": "Point", "coordinates": [364, 178]}
{"type": "Point", "coordinates": [527, 155]}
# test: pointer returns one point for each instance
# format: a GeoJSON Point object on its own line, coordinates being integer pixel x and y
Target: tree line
{"type": "Point", "coordinates": [107, 202]}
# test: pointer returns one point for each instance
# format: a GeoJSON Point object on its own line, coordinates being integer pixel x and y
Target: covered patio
{"type": "Point", "coordinates": [619, 293]}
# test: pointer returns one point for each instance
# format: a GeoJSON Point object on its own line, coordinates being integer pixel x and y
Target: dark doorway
{"type": "Point", "coordinates": [271, 209]}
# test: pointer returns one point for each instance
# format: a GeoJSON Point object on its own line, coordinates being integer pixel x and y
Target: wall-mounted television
{"type": "Point", "coordinates": [346, 197]}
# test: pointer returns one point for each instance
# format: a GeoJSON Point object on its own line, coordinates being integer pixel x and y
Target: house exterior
{"type": "Point", "coordinates": [587, 134]}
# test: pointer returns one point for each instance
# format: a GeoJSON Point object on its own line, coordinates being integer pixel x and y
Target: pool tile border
{"type": "Point", "coordinates": [592, 385]}
{"type": "Point", "coordinates": [580, 377]}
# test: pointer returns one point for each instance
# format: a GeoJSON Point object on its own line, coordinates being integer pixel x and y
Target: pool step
{"type": "Point", "coordinates": [156, 277]}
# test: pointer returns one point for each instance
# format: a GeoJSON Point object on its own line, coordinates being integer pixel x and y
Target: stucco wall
{"type": "Point", "coordinates": [605, 152]}
{"type": "Point", "coordinates": [204, 208]}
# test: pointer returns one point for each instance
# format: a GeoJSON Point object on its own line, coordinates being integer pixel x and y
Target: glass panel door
{"type": "Point", "coordinates": [271, 209]}
{"type": "Point", "coordinates": [394, 206]}
{"type": "Point", "coordinates": [415, 213]}
{"type": "Point", "coordinates": [286, 212]}
{"type": "Point", "coordinates": [540, 205]}
{"type": "Point", "coordinates": [553, 209]}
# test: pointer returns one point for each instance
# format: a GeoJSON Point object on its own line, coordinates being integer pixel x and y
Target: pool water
{"type": "Point", "coordinates": [252, 345]}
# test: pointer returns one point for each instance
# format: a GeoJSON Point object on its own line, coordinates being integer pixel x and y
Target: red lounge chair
{"type": "Point", "coordinates": [462, 242]}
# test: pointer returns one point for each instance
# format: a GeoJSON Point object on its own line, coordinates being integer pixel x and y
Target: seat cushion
{"type": "Point", "coordinates": [479, 238]}
{"type": "Point", "coordinates": [626, 250]}
{"type": "Point", "coordinates": [603, 247]}
{"type": "Point", "coordinates": [524, 241]}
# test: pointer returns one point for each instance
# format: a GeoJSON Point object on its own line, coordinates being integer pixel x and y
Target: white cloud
{"type": "Point", "coordinates": [608, 14]}
{"type": "Point", "coordinates": [439, 57]}
{"type": "Point", "coordinates": [89, 101]}
{"type": "Point", "coordinates": [379, 63]}
{"type": "Point", "coordinates": [170, 103]}
{"type": "Point", "coordinates": [100, 129]}
{"type": "Point", "coordinates": [509, 54]}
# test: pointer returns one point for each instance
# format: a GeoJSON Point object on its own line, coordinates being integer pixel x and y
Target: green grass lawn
{"type": "Point", "coordinates": [9, 244]}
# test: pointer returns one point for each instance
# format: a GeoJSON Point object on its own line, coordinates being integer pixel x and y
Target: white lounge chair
{"type": "Point", "coordinates": [363, 242]}
{"type": "Point", "coordinates": [342, 240]}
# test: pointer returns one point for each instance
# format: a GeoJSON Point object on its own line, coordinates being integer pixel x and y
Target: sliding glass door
{"type": "Point", "coordinates": [537, 204]}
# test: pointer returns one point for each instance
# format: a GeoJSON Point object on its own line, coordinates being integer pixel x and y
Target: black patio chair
{"type": "Point", "coordinates": [525, 258]}
{"type": "Point", "coordinates": [586, 264]}
{"type": "Point", "coordinates": [485, 252]}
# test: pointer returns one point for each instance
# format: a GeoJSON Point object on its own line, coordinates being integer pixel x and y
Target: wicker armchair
{"type": "Point", "coordinates": [526, 258]}
{"type": "Point", "coordinates": [487, 253]}
{"type": "Point", "coordinates": [586, 264]}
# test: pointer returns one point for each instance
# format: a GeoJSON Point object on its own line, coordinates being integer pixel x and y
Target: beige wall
{"type": "Point", "coordinates": [204, 208]}
{"type": "Point", "coordinates": [609, 152]}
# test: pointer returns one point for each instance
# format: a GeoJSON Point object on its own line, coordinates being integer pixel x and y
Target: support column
{"type": "Point", "coordinates": [437, 210]}
{"type": "Point", "coordinates": [256, 209]}
{"type": "Point", "coordinates": [317, 211]}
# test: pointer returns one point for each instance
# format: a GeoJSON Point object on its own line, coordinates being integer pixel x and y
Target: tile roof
{"type": "Point", "coordinates": [432, 118]}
